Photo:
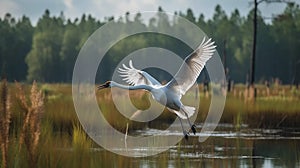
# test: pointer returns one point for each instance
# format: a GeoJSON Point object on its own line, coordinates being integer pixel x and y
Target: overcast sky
{"type": "Point", "coordinates": [103, 8]}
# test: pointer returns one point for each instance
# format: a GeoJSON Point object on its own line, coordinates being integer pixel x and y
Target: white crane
{"type": "Point", "coordinates": [170, 93]}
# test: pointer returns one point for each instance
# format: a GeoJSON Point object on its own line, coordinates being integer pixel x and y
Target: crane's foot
{"type": "Point", "coordinates": [193, 127]}
{"type": "Point", "coordinates": [186, 135]}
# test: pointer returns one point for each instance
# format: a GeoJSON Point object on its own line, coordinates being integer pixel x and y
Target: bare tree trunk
{"type": "Point", "coordinates": [252, 69]}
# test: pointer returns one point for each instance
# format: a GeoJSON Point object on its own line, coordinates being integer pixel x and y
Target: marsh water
{"type": "Point", "coordinates": [227, 146]}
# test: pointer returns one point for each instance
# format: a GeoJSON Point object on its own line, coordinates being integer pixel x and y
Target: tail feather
{"type": "Point", "coordinates": [184, 109]}
{"type": "Point", "coordinates": [188, 110]}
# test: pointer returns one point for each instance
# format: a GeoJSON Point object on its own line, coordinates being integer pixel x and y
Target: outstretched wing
{"type": "Point", "coordinates": [134, 76]}
{"type": "Point", "coordinates": [191, 68]}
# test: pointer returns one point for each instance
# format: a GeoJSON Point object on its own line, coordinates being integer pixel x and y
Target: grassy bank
{"type": "Point", "coordinates": [63, 143]}
{"type": "Point", "coordinates": [275, 107]}
{"type": "Point", "coordinates": [280, 108]}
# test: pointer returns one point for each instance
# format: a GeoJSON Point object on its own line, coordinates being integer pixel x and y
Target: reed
{"type": "Point", "coordinates": [31, 128]}
{"type": "Point", "coordinates": [5, 116]}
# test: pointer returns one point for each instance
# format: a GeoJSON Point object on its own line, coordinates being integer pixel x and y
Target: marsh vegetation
{"type": "Point", "coordinates": [261, 132]}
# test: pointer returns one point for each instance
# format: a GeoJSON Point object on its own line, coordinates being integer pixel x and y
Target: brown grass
{"type": "Point", "coordinates": [31, 128]}
{"type": "Point", "coordinates": [5, 115]}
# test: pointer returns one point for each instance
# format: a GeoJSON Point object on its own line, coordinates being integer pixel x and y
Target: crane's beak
{"type": "Point", "coordinates": [103, 86]}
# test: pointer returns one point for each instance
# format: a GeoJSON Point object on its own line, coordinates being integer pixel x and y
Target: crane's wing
{"type": "Point", "coordinates": [134, 76]}
{"type": "Point", "coordinates": [191, 68]}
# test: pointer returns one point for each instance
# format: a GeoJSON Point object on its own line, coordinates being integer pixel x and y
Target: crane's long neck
{"type": "Point", "coordinates": [137, 87]}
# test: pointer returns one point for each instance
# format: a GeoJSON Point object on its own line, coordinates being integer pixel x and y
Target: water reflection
{"type": "Point", "coordinates": [225, 148]}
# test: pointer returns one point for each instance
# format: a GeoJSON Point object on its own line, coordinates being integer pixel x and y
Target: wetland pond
{"type": "Point", "coordinates": [226, 147]}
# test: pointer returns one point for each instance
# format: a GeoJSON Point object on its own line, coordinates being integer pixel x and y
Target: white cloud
{"type": "Point", "coordinates": [69, 3]}
{"type": "Point", "coordinates": [70, 8]}
{"type": "Point", "coordinates": [8, 6]}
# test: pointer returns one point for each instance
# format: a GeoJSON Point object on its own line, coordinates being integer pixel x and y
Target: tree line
{"type": "Point", "coordinates": [47, 51]}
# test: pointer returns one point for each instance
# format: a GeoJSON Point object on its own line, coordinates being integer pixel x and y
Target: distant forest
{"type": "Point", "coordinates": [47, 51]}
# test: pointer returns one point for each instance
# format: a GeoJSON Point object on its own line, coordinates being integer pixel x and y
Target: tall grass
{"type": "Point", "coordinates": [31, 128]}
{"type": "Point", "coordinates": [26, 134]}
{"type": "Point", "coordinates": [58, 140]}
{"type": "Point", "coordinates": [5, 115]}
{"type": "Point", "coordinates": [275, 107]}
{"type": "Point", "coordinates": [81, 146]}
{"type": "Point", "coordinates": [59, 106]}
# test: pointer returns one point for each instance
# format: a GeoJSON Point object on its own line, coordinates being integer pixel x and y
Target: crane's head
{"type": "Point", "coordinates": [105, 85]}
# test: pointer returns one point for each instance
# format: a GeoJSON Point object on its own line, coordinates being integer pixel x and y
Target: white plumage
{"type": "Point", "coordinates": [170, 93]}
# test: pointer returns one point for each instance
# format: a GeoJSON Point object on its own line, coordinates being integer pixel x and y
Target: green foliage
{"type": "Point", "coordinates": [44, 59]}
{"type": "Point", "coordinates": [15, 43]}
{"type": "Point", "coordinates": [51, 47]}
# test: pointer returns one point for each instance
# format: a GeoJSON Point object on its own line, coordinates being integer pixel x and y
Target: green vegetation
{"type": "Point", "coordinates": [47, 51]}
{"type": "Point", "coordinates": [57, 140]}
{"type": "Point", "coordinates": [38, 123]}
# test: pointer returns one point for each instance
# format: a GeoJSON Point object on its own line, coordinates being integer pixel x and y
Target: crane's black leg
{"type": "Point", "coordinates": [185, 133]}
{"type": "Point", "coordinates": [193, 126]}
